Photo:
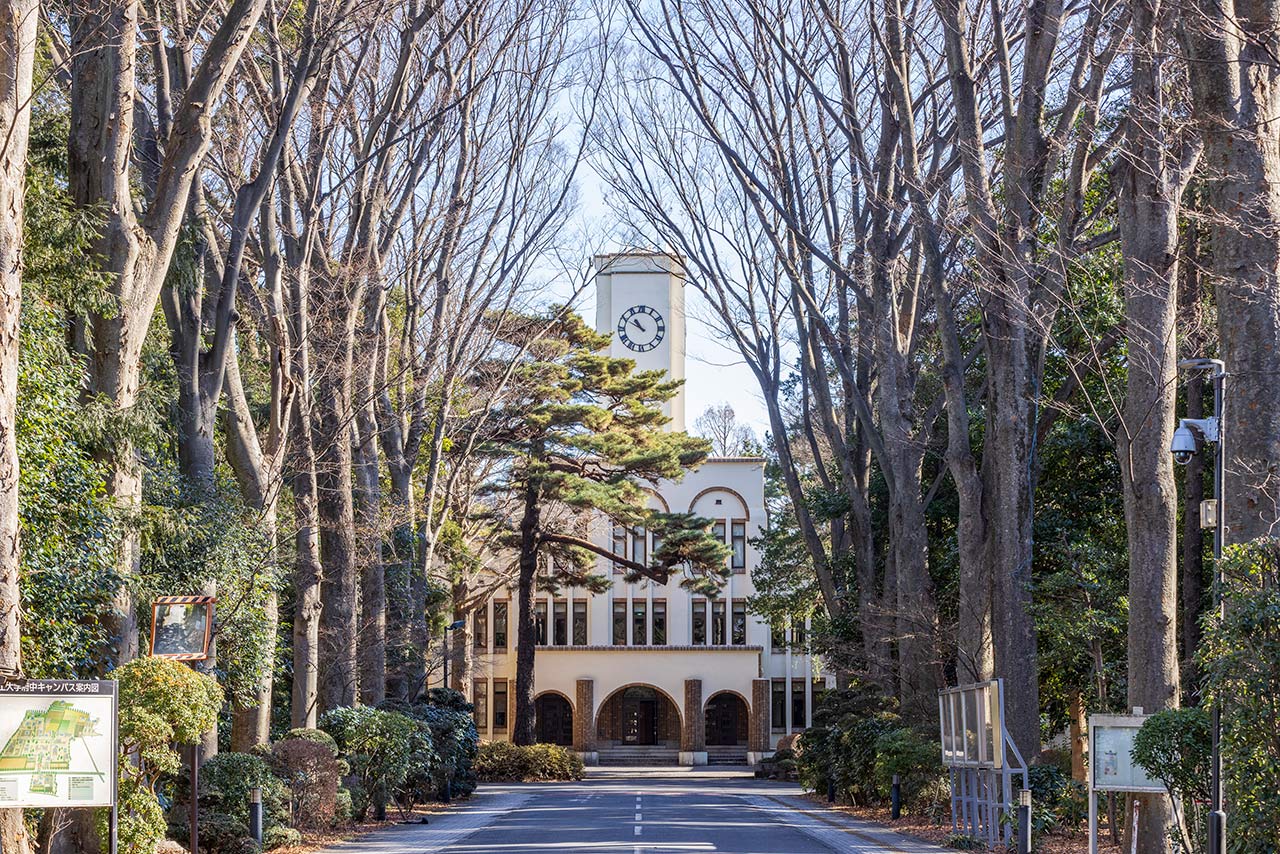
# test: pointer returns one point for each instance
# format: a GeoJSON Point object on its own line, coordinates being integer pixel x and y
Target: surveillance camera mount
{"type": "Point", "coordinates": [1206, 427]}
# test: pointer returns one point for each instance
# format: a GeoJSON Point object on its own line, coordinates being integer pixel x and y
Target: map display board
{"type": "Point", "coordinates": [1111, 765]}
{"type": "Point", "coordinates": [59, 743]}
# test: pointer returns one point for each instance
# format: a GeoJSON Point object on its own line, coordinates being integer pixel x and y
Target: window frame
{"type": "Point", "coordinates": [619, 610]}
{"type": "Point", "coordinates": [579, 619]}
{"type": "Point", "coordinates": [738, 544]}
{"type": "Point", "coordinates": [501, 615]}
{"type": "Point", "coordinates": [501, 708]}
{"type": "Point", "coordinates": [659, 607]}
{"type": "Point", "coordinates": [699, 610]}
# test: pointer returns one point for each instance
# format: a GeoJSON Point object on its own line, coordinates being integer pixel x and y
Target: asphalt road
{"type": "Point", "coordinates": [641, 816]}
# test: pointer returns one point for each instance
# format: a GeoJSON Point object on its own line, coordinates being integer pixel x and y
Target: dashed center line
{"type": "Point", "coordinates": [637, 830]}
{"type": "Point", "coordinates": [638, 816]}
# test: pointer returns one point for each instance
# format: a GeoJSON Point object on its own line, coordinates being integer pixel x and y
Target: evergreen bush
{"type": "Point", "coordinates": [502, 761]}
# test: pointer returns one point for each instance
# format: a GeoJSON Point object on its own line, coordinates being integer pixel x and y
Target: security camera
{"type": "Point", "coordinates": [1183, 446]}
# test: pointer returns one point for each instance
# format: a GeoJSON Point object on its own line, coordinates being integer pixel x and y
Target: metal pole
{"type": "Point", "coordinates": [195, 798]}
{"type": "Point", "coordinates": [255, 814]}
{"type": "Point", "coordinates": [1024, 821]}
{"type": "Point", "coordinates": [114, 834]}
{"type": "Point", "coordinates": [1218, 816]}
{"type": "Point", "coordinates": [895, 799]}
{"type": "Point", "coordinates": [444, 655]}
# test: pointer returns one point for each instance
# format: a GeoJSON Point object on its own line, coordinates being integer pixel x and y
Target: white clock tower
{"type": "Point", "coordinates": [640, 302]}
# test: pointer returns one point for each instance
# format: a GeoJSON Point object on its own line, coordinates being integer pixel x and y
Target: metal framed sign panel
{"type": "Point", "coordinates": [181, 627]}
{"type": "Point", "coordinates": [971, 725]}
{"type": "Point", "coordinates": [59, 743]}
{"type": "Point", "coordinates": [1111, 766]}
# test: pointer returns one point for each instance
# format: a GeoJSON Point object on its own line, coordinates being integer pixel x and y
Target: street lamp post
{"type": "Point", "coordinates": [1183, 448]}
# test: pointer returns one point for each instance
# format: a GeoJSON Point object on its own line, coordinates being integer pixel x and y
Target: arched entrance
{"type": "Point", "coordinates": [639, 715]}
{"type": "Point", "coordinates": [726, 720]}
{"type": "Point", "coordinates": [553, 716]}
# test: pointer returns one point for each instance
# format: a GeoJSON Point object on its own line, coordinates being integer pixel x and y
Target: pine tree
{"type": "Point", "coordinates": [581, 432]}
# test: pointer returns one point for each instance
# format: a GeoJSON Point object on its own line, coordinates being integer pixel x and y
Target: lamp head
{"type": "Point", "coordinates": [1183, 446]}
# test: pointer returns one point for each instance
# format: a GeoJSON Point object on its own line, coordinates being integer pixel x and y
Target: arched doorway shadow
{"type": "Point", "coordinates": [553, 717]}
{"type": "Point", "coordinates": [638, 715]}
{"type": "Point", "coordinates": [727, 720]}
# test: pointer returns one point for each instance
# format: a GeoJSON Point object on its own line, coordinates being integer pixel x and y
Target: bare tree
{"type": "Point", "coordinates": [719, 423]}
{"type": "Point", "coordinates": [138, 239]}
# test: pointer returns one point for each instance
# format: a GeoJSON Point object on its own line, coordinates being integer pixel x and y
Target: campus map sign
{"type": "Point", "coordinates": [59, 743]}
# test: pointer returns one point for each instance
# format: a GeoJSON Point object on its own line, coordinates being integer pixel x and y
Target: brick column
{"type": "Point", "coordinates": [758, 731]}
{"type": "Point", "coordinates": [693, 735]}
{"type": "Point", "coordinates": [584, 724]}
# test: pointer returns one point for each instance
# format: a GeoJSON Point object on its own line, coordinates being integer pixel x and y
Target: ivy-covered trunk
{"type": "Point", "coordinates": [17, 53]}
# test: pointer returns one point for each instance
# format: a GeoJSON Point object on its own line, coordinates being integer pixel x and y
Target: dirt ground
{"type": "Point", "coordinates": [921, 828]}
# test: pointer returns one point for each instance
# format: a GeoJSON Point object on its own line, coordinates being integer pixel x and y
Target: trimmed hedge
{"type": "Point", "coordinates": [502, 761]}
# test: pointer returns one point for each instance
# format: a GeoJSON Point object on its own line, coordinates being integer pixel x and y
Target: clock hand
{"type": "Point", "coordinates": [638, 325]}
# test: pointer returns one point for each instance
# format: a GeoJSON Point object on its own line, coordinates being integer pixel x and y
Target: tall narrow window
{"type": "Point", "coordinates": [738, 535]}
{"type": "Point", "coordinates": [480, 702]}
{"type": "Point", "coordinates": [640, 546]}
{"type": "Point", "coordinates": [656, 543]}
{"type": "Point", "coordinates": [579, 622]}
{"type": "Point", "coordinates": [778, 637]}
{"type": "Point", "coordinates": [619, 622]}
{"type": "Point", "coordinates": [639, 622]}
{"type": "Point", "coordinates": [480, 628]}
{"type": "Point", "coordinates": [560, 623]}
{"type": "Point", "coordinates": [699, 622]}
{"type": "Point", "coordinates": [819, 691]}
{"type": "Point", "coordinates": [540, 623]}
{"type": "Point", "coordinates": [659, 622]}
{"type": "Point", "coordinates": [798, 716]}
{"type": "Point", "coordinates": [739, 622]}
{"type": "Point", "coordinates": [500, 705]}
{"type": "Point", "coordinates": [717, 623]}
{"type": "Point", "coordinates": [500, 626]}
{"type": "Point", "coordinates": [717, 530]}
{"type": "Point", "coordinates": [799, 637]}
{"type": "Point", "coordinates": [619, 545]}
{"type": "Point", "coordinates": [778, 708]}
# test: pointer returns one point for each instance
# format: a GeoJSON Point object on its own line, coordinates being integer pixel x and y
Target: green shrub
{"type": "Point", "coordinates": [162, 703]}
{"type": "Point", "coordinates": [382, 748]}
{"type": "Point", "coordinates": [1175, 746]}
{"type": "Point", "coordinates": [502, 761]}
{"type": "Point", "coordinates": [319, 736]}
{"type": "Point", "coordinates": [280, 837]}
{"type": "Point", "coordinates": [962, 842]}
{"type": "Point", "coordinates": [915, 760]}
{"type": "Point", "coordinates": [453, 733]}
{"type": "Point", "coordinates": [1240, 657]}
{"type": "Point", "coordinates": [227, 781]}
{"type": "Point", "coordinates": [1064, 800]}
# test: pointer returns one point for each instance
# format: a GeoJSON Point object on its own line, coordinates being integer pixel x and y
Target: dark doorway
{"type": "Point", "coordinates": [554, 718]}
{"type": "Point", "coordinates": [640, 716]}
{"type": "Point", "coordinates": [726, 720]}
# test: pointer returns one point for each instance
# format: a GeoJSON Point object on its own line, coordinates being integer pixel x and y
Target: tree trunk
{"type": "Point", "coordinates": [525, 731]}
{"type": "Point", "coordinates": [1079, 736]}
{"type": "Point", "coordinates": [338, 619]}
{"type": "Point", "coordinates": [1192, 592]}
{"type": "Point", "coordinates": [17, 55]}
{"type": "Point", "coordinates": [307, 577]}
{"type": "Point", "coordinates": [1150, 191]}
{"type": "Point", "coordinates": [368, 495]}
{"type": "Point", "coordinates": [1006, 466]}
{"type": "Point", "coordinates": [1236, 97]}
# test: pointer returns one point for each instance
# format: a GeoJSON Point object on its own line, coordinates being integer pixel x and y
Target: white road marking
{"type": "Point", "coordinates": [638, 816]}
{"type": "Point", "coordinates": [637, 830]}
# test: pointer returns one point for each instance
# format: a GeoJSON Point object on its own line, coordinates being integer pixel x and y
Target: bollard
{"type": "Point", "coordinates": [895, 799]}
{"type": "Point", "coordinates": [1024, 821]}
{"type": "Point", "coordinates": [255, 814]}
{"type": "Point", "coordinates": [831, 791]}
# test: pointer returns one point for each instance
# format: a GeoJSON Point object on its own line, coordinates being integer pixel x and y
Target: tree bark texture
{"type": "Point", "coordinates": [1236, 105]}
{"type": "Point", "coordinates": [339, 617]}
{"type": "Point", "coordinates": [17, 56]}
{"type": "Point", "coordinates": [524, 730]}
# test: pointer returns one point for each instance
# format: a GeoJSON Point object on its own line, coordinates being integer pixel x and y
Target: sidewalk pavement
{"type": "Point", "coordinates": [460, 820]}
{"type": "Point", "coordinates": [839, 830]}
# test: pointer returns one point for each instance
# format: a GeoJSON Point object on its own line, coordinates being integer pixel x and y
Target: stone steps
{"type": "Point", "coordinates": [639, 756]}
{"type": "Point", "coordinates": [726, 755]}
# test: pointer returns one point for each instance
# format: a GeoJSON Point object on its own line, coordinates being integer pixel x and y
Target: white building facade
{"type": "Point", "coordinates": [649, 672]}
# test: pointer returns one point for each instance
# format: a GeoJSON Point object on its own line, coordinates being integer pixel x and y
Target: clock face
{"type": "Point", "coordinates": [641, 328]}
